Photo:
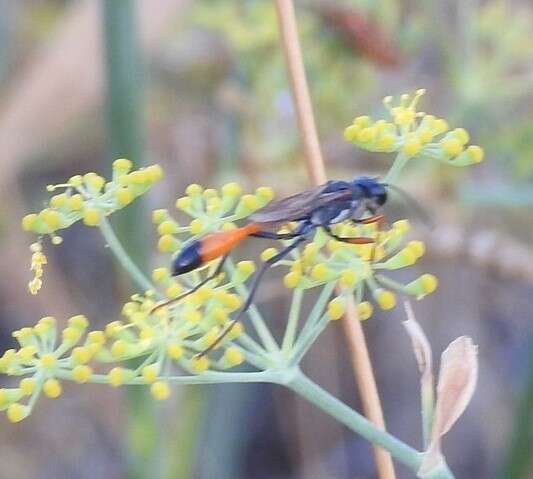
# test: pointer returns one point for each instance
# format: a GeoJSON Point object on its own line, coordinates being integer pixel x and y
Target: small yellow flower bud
{"type": "Point", "coordinates": [417, 247]}
{"type": "Point", "coordinates": [364, 310]}
{"type": "Point", "coordinates": [160, 274]}
{"type": "Point", "coordinates": [159, 215]}
{"type": "Point", "coordinates": [366, 135]}
{"type": "Point", "coordinates": [27, 353]}
{"type": "Point", "coordinates": [231, 189]}
{"type": "Point", "coordinates": [154, 173]}
{"type": "Point", "coordinates": [116, 376]}
{"type": "Point", "coordinates": [386, 142]}
{"type": "Point", "coordinates": [113, 328]}
{"type": "Point", "coordinates": [462, 135]}
{"type": "Point", "coordinates": [174, 290]}
{"type": "Point", "coordinates": [348, 278]}
{"type": "Point", "coordinates": [58, 201]}
{"type": "Point", "coordinates": [250, 202]}
{"type": "Point", "coordinates": [350, 133]}
{"type": "Point", "coordinates": [233, 356]}
{"type": "Point", "coordinates": [336, 308]}
{"type": "Point", "coordinates": [124, 196]}
{"type": "Point", "coordinates": [362, 121]}
{"type": "Point", "coordinates": [194, 189]}
{"type": "Point", "coordinates": [183, 203]}
{"type": "Point", "coordinates": [17, 412]}
{"type": "Point", "coordinates": [385, 299]}
{"type": "Point", "coordinates": [268, 253]}
{"type": "Point", "coordinates": [75, 202]}
{"type": "Point", "coordinates": [402, 226]}
{"type": "Point", "coordinates": [96, 337]}
{"type": "Point", "coordinates": [76, 180]}
{"type": "Point", "coordinates": [94, 181]}
{"type": "Point", "coordinates": [150, 373]}
{"type": "Point", "coordinates": [91, 217]}
{"type": "Point", "coordinates": [265, 193]}
{"type": "Point", "coordinates": [440, 126]}
{"type": "Point", "coordinates": [291, 280]}
{"type": "Point", "coordinates": [411, 146]}
{"type": "Point", "coordinates": [52, 388]}
{"type": "Point", "coordinates": [196, 226]}
{"type": "Point", "coordinates": [160, 390]}
{"type": "Point", "coordinates": [82, 373]}
{"type": "Point", "coordinates": [29, 221]}
{"type": "Point", "coordinates": [27, 386]}
{"type": "Point", "coordinates": [71, 335]}
{"type": "Point", "coordinates": [48, 361]}
{"type": "Point", "coordinates": [320, 272]}
{"type": "Point", "coordinates": [79, 321]}
{"type": "Point", "coordinates": [246, 267]}
{"type": "Point", "coordinates": [425, 135]}
{"type": "Point", "coordinates": [199, 364]}
{"type": "Point", "coordinates": [167, 244]}
{"type": "Point", "coordinates": [51, 218]}
{"type": "Point", "coordinates": [119, 348]}
{"type": "Point", "coordinates": [122, 164]}
{"type": "Point", "coordinates": [81, 355]}
{"type": "Point", "coordinates": [192, 316]}
{"type": "Point", "coordinates": [167, 227]}
{"type": "Point", "coordinates": [452, 146]}
{"type": "Point", "coordinates": [174, 351]}
{"type": "Point", "coordinates": [475, 153]}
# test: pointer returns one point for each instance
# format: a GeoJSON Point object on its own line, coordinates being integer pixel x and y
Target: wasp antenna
{"type": "Point", "coordinates": [420, 212]}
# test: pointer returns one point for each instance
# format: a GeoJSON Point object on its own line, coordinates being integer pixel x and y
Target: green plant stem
{"type": "Point", "coordinates": [398, 165]}
{"type": "Point", "coordinates": [123, 258]}
{"type": "Point", "coordinates": [292, 323]}
{"type": "Point", "coordinates": [356, 422]}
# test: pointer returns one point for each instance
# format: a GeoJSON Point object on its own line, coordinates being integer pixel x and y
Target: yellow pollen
{"type": "Point", "coordinates": [52, 388]}
{"type": "Point", "coordinates": [160, 390]}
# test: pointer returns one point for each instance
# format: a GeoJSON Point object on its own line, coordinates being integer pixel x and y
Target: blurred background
{"type": "Point", "coordinates": [200, 87]}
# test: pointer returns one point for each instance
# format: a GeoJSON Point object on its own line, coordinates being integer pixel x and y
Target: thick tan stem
{"type": "Point", "coordinates": [352, 326]}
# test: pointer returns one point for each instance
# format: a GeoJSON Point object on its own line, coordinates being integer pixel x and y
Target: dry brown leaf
{"type": "Point", "coordinates": [456, 385]}
{"type": "Point", "coordinates": [421, 346]}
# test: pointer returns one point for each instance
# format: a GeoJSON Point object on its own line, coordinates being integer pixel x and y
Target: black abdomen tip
{"type": "Point", "coordinates": [187, 260]}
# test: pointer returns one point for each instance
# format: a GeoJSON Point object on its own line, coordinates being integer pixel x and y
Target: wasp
{"type": "Point", "coordinates": [336, 201]}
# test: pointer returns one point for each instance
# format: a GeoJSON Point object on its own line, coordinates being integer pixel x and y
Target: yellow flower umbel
{"type": "Point", "coordinates": [87, 198]}
{"type": "Point", "coordinates": [358, 268]}
{"type": "Point", "coordinates": [412, 133]}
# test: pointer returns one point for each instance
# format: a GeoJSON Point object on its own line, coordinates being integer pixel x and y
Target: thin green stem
{"type": "Point", "coordinates": [122, 257]}
{"type": "Point", "coordinates": [211, 377]}
{"type": "Point", "coordinates": [398, 165]}
{"type": "Point", "coordinates": [292, 323]}
{"type": "Point", "coordinates": [356, 422]}
{"type": "Point", "coordinates": [308, 340]}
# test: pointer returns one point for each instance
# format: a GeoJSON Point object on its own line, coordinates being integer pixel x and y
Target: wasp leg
{"type": "Point", "coordinates": [371, 219]}
{"type": "Point", "coordinates": [255, 285]}
{"type": "Point", "coordinates": [213, 275]}
{"type": "Point", "coordinates": [302, 227]}
{"type": "Point", "coordinates": [347, 239]}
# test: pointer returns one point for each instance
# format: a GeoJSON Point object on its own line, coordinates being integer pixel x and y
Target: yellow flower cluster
{"type": "Point", "coordinates": [89, 196]}
{"type": "Point", "coordinates": [356, 267]}
{"type": "Point", "coordinates": [412, 133]}
{"type": "Point", "coordinates": [159, 340]}
{"type": "Point", "coordinates": [210, 209]}
{"type": "Point", "coordinates": [86, 198]}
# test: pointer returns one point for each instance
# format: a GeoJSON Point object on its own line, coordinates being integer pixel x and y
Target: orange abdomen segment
{"type": "Point", "coordinates": [215, 245]}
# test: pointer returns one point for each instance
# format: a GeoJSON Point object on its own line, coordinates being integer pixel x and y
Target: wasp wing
{"type": "Point", "coordinates": [298, 206]}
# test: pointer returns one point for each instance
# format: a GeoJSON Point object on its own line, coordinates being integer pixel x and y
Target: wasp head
{"type": "Point", "coordinates": [372, 190]}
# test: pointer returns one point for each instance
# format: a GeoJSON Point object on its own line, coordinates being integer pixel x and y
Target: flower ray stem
{"type": "Point", "coordinates": [292, 323]}
{"type": "Point", "coordinates": [122, 257]}
{"type": "Point", "coordinates": [397, 166]}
